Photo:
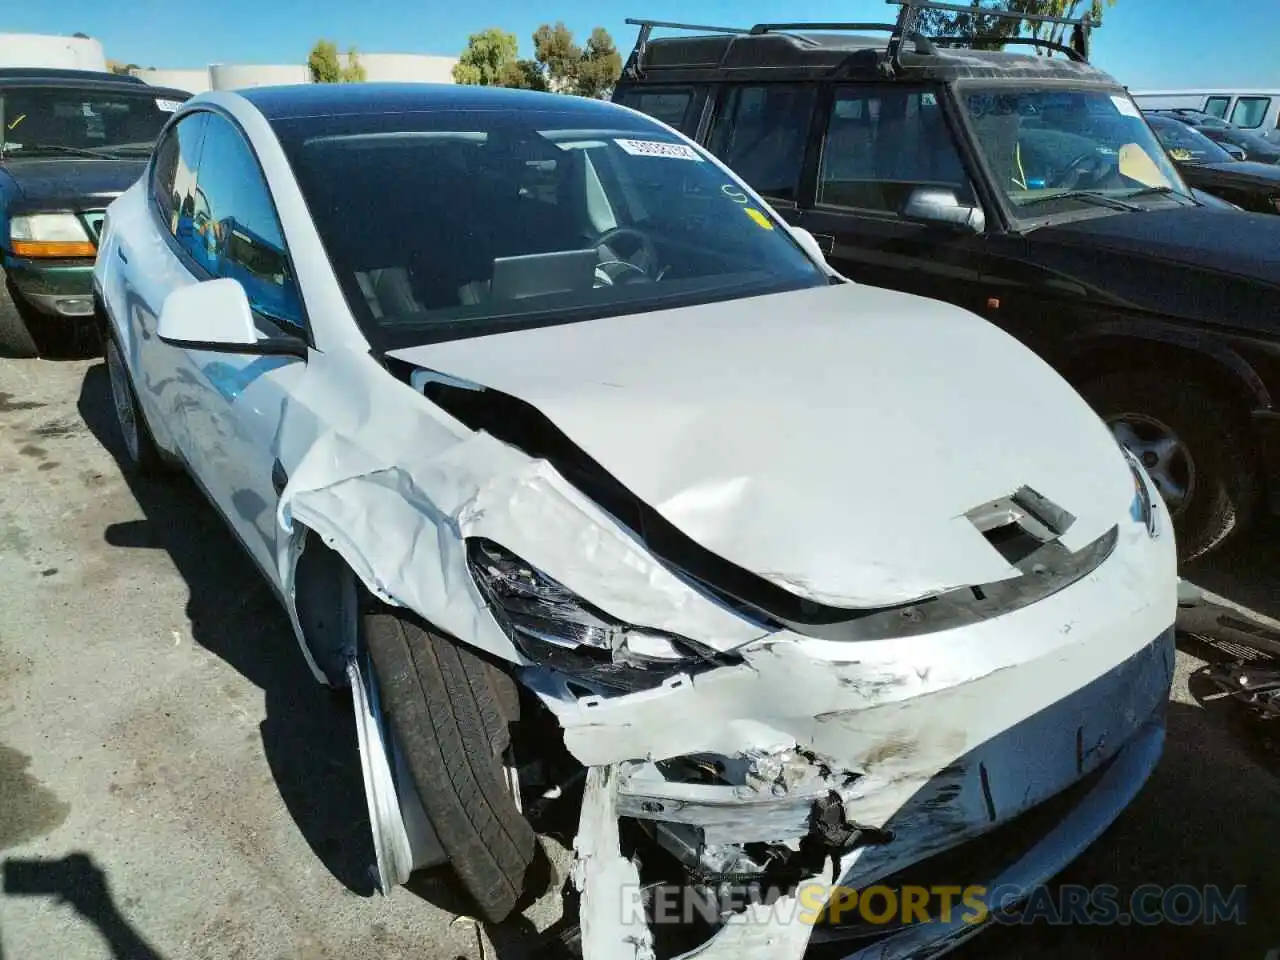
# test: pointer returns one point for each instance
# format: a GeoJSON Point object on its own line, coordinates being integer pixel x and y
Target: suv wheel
{"type": "Point", "coordinates": [15, 337]}
{"type": "Point", "coordinates": [1197, 450]}
{"type": "Point", "coordinates": [450, 711]}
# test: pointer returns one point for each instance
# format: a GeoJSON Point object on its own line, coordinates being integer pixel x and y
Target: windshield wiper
{"type": "Point", "coordinates": [1088, 196]}
{"type": "Point", "coordinates": [29, 149]}
{"type": "Point", "coordinates": [1157, 192]}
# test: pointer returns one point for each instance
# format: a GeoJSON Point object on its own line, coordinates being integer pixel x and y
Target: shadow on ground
{"type": "Point", "coordinates": [77, 881]}
{"type": "Point", "coordinates": [1246, 570]}
{"type": "Point", "coordinates": [308, 736]}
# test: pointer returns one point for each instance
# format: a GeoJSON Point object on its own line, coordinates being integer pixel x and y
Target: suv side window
{"type": "Point", "coordinates": [761, 132]}
{"type": "Point", "coordinates": [1217, 106]}
{"type": "Point", "coordinates": [1249, 112]}
{"type": "Point", "coordinates": [881, 144]}
{"type": "Point", "coordinates": [238, 233]}
{"type": "Point", "coordinates": [173, 173]}
{"type": "Point", "coordinates": [670, 105]}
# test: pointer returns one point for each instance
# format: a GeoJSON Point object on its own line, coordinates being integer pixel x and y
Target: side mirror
{"type": "Point", "coordinates": [941, 205]}
{"type": "Point", "coordinates": [215, 316]}
{"type": "Point", "coordinates": [809, 243]}
{"type": "Point", "coordinates": [1237, 153]}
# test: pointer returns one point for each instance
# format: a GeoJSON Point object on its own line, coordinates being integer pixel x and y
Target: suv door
{"type": "Point", "coordinates": [762, 132]}
{"type": "Point", "coordinates": [881, 144]}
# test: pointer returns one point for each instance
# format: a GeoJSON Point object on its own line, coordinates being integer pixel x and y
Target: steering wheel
{"type": "Point", "coordinates": [1088, 168]}
{"type": "Point", "coordinates": [618, 267]}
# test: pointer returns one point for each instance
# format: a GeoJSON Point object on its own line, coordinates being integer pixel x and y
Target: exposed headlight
{"type": "Point", "coordinates": [1143, 506]}
{"type": "Point", "coordinates": [50, 235]}
{"type": "Point", "coordinates": [555, 627]}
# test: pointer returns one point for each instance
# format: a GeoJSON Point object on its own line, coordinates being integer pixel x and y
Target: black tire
{"type": "Point", "coordinates": [139, 449]}
{"type": "Point", "coordinates": [15, 336]}
{"type": "Point", "coordinates": [1227, 487]}
{"type": "Point", "coordinates": [450, 710]}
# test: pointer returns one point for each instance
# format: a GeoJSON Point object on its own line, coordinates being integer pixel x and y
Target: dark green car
{"type": "Point", "coordinates": [71, 141]}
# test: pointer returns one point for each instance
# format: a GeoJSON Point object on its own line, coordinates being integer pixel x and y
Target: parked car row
{"type": "Point", "coordinates": [797, 452]}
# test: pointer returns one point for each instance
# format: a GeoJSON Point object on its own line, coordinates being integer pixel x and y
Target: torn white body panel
{"type": "Point", "coordinates": [819, 442]}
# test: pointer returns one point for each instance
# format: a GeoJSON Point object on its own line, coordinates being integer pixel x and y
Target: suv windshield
{"type": "Point", "coordinates": [66, 121]}
{"type": "Point", "coordinates": [460, 223]}
{"type": "Point", "coordinates": [1055, 149]}
{"type": "Point", "coordinates": [1187, 144]}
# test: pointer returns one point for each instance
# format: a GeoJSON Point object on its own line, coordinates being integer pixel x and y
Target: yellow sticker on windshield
{"type": "Point", "coordinates": [760, 219]}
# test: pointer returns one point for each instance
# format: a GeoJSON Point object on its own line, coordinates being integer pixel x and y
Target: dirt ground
{"type": "Point", "coordinates": [174, 785]}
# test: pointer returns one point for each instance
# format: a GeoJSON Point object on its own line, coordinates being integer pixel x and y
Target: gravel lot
{"type": "Point", "coordinates": [173, 784]}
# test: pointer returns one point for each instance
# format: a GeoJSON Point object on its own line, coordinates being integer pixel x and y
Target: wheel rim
{"type": "Point", "coordinates": [1160, 450]}
{"type": "Point", "coordinates": [122, 398]}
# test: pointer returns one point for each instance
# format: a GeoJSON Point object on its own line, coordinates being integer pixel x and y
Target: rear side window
{"type": "Point", "coordinates": [173, 174]}
{"type": "Point", "coordinates": [1249, 112]}
{"type": "Point", "coordinates": [669, 105]}
{"type": "Point", "coordinates": [881, 144]}
{"type": "Point", "coordinates": [762, 132]}
{"type": "Point", "coordinates": [1217, 106]}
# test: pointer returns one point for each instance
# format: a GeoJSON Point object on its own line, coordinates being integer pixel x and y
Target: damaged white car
{"type": "Point", "coordinates": [576, 461]}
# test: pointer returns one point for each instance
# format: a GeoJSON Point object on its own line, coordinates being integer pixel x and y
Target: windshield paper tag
{"type": "Point", "coordinates": [1126, 107]}
{"type": "Point", "coordinates": [656, 148]}
{"type": "Point", "coordinates": [168, 106]}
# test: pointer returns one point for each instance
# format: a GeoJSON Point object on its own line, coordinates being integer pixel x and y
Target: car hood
{"type": "Point", "coordinates": [79, 184]}
{"type": "Point", "coordinates": [1241, 245]}
{"type": "Point", "coordinates": [1244, 172]}
{"type": "Point", "coordinates": [829, 440]}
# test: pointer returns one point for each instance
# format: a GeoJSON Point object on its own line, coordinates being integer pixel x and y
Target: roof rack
{"type": "Point", "coordinates": [1077, 50]}
{"type": "Point", "coordinates": [907, 27]}
{"type": "Point", "coordinates": [633, 66]}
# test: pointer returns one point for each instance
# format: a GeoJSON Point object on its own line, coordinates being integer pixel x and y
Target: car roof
{"type": "Point", "coordinates": [56, 73]}
{"type": "Point", "coordinates": [296, 101]}
{"type": "Point", "coordinates": [92, 82]}
{"type": "Point", "coordinates": [814, 54]}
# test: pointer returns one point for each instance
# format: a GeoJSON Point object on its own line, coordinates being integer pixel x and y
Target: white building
{"type": "Point", "coordinates": [404, 67]}
{"type": "Point", "coordinates": [42, 50]}
{"type": "Point", "coordinates": [231, 76]}
{"type": "Point", "coordinates": [192, 81]}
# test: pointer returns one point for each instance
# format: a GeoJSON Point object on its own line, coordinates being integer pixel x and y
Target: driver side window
{"type": "Point", "coordinates": [236, 232]}
{"type": "Point", "coordinates": [883, 143]}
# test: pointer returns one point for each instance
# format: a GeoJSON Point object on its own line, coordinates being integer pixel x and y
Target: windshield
{"type": "Point", "coordinates": [459, 223]}
{"type": "Point", "coordinates": [1187, 144]}
{"type": "Point", "coordinates": [65, 121]}
{"type": "Point", "coordinates": [1054, 150]}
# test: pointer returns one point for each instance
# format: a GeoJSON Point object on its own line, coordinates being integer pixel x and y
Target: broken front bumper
{"type": "Point", "coordinates": [905, 766]}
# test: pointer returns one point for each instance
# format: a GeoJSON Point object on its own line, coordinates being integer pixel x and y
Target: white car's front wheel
{"type": "Point", "coordinates": [450, 710]}
{"type": "Point", "coordinates": [134, 433]}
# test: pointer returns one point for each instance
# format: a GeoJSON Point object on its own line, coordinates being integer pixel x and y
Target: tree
{"type": "Point", "coordinates": [327, 67]}
{"type": "Point", "coordinates": [354, 71]}
{"type": "Point", "coordinates": [935, 23]}
{"type": "Point", "coordinates": [490, 59]}
{"type": "Point", "coordinates": [557, 56]}
{"type": "Point", "coordinates": [323, 63]}
{"type": "Point", "coordinates": [599, 67]}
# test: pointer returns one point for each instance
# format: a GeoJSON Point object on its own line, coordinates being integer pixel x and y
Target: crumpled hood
{"type": "Point", "coordinates": [830, 440]}
{"type": "Point", "coordinates": [73, 183]}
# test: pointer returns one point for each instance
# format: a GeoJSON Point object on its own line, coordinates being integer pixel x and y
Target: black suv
{"type": "Point", "coordinates": [71, 141]}
{"type": "Point", "coordinates": [1028, 189]}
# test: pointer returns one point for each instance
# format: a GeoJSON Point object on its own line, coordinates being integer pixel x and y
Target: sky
{"type": "Point", "coordinates": [1143, 43]}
